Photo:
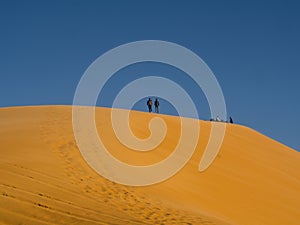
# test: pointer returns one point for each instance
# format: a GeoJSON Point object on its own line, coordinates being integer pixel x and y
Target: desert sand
{"type": "Point", "coordinates": [44, 179]}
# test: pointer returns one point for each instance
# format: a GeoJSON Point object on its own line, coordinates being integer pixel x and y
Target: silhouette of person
{"type": "Point", "coordinates": [218, 119]}
{"type": "Point", "coordinates": [149, 104]}
{"type": "Point", "coordinates": [230, 120]}
{"type": "Point", "coordinates": [156, 104]}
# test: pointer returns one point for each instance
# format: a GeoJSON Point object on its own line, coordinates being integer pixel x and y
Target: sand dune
{"type": "Point", "coordinates": [45, 180]}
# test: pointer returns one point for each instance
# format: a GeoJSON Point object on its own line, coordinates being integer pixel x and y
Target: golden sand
{"type": "Point", "coordinates": [44, 179]}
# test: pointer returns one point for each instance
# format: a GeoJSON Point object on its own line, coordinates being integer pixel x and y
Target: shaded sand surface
{"type": "Point", "coordinates": [44, 179]}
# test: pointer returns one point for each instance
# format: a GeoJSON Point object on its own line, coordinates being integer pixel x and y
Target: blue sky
{"type": "Point", "coordinates": [252, 47]}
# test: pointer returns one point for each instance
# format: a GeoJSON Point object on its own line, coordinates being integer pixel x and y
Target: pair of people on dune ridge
{"type": "Point", "coordinates": [156, 104]}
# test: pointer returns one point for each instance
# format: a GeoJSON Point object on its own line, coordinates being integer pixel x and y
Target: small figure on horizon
{"type": "Point", "coordinates": [156, 104]}
{"type": "Point", "coordinates": [149, 104]}
{"type": "Point", "coordinates": [218, 119]}
{"type": "Point", "coordinates": [230, 120]}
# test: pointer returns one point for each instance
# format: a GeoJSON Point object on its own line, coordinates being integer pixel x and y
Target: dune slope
{"type": "Point", "coordinates": [45, 180]}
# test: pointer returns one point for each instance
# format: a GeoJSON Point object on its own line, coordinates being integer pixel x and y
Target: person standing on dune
{"type": "Point", "coordinates": [149, 104]}
{"type": "Point", "coordinates": [156, 104]}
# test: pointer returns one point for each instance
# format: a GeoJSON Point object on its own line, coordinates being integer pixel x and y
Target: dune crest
{"type": "Point", "coordinates": [45, 180]}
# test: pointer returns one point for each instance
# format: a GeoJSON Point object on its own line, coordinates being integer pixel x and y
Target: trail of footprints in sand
{"type": "Point", "coordinates": [36, 199]}
{"type": "Point", "coordinates": [114, 196]}
{"type": "Point", "coordinates": [35, 196]}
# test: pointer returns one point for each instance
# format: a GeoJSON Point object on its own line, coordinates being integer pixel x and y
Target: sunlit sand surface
{"type": "Point", "coordinates": [44, 179]}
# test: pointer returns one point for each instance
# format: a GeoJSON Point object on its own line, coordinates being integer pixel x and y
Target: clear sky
{"type": "Point", "coordinates": [252, 47]}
